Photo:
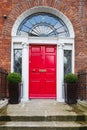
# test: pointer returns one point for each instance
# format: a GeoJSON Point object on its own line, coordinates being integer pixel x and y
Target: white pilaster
{"type": "Point", "coordinates": [24, 72]}
{"type": "Point", "coordinates": [60, 73]}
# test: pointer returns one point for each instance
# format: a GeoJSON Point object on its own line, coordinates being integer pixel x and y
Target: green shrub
{"type": "Point", "coordinates": [70, 78]}
{"type": "Point", "coordinates": [14, 77]}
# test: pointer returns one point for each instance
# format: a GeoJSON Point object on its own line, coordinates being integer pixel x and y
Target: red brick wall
{"type": "Point", "coordinates": [75, 10]}
{"type": "Point", "coordinates": [5, 9]}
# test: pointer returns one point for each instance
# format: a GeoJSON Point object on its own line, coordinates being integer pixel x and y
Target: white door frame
{"type": "Point", "coordinates": [62, 44]}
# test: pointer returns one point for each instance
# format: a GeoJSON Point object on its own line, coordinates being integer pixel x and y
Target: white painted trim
{"type": "Point", "coordinates": [60, 72]}
{"type": "Point", "coordinates": [46, 10]}
{"type": "Point", "coordinates": [24, 71]}
{"type": "Point", "coordinates": [62, 43]}
{"type": "Point", "coordinates": [34, 40]}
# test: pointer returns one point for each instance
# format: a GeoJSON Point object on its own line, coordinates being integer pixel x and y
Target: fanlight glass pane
{"type": "Point", "coordinates": [43, 25]}
{"type": "Point", "coordinates": [18, 61]}
{"type": "Point", "coordinates": [67, 61]}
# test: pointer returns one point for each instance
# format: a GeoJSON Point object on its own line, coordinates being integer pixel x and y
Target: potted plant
{"type": "Point", "coordinates": [70, 85]}
{"type": "Point", "coordinates": [14, 87]}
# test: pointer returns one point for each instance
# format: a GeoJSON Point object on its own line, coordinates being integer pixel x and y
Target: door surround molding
{"type": "Point", "coordinates": [62, 43]}
{"type": "Point", "coordinates": [23, 42]}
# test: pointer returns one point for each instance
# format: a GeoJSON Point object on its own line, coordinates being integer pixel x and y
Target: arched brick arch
{"type": "Point", "coordinates": [45, 9]}
{"type": "Point", "coordinates": [26, 5]}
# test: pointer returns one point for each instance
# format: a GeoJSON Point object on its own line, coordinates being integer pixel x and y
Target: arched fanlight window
{"type": "Point", "coordinates": [43, 25]}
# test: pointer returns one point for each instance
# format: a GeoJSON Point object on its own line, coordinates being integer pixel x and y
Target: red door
{"type": "Point", "coordinates": [42, 71]}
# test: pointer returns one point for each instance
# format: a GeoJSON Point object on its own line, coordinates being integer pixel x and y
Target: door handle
{"type": "Point", "coordinates": [42, 70]}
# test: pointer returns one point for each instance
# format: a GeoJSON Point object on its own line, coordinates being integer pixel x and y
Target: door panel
{"type": "Point", "coordinates": [42, 71]}
{"type": "Point", "coordinates": [49, 61]}
{"type": "Point", "coordinates": [35, 61]}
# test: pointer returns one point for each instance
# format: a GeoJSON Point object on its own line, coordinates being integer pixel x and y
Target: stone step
{"type": "Point", "coordinates": [82, 105]}
{"type": "Point", "coordinates": [52, 125]}
{"type": "Point", "coordinates": [45, 118]}
{"type": "Point", "coordinates": [3, 104]}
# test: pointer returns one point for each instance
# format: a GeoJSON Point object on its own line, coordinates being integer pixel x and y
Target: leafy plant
{"type": "Point", "coordinates": [14, 77]}
{"type": "Point", "coordinates": [70, 78]}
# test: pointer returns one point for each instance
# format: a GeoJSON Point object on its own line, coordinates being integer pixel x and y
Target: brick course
{"type": "Point", "coordinates": [75, 10]}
